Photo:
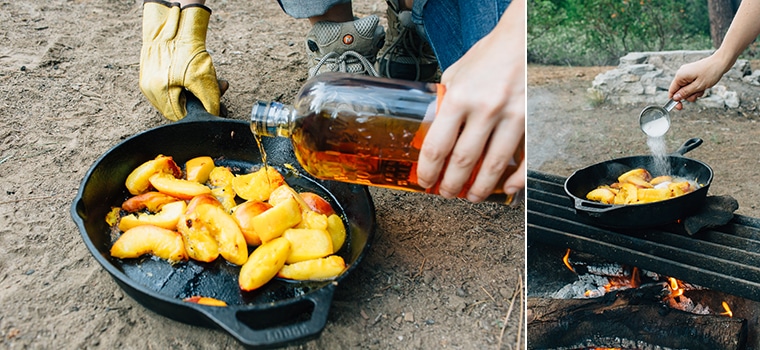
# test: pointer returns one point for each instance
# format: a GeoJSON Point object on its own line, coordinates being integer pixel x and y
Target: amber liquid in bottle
{"type": "Point", "coordinates": [359, 144]}
{"type": "Point", "coordinates": [377, 150]}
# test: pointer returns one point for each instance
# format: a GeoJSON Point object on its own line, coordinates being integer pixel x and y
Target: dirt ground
{"type": "Point", "coordinates": [439, 274]}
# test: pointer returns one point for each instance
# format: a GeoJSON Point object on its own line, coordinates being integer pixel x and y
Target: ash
{"type": "Point", "coordinates": [587, 286]}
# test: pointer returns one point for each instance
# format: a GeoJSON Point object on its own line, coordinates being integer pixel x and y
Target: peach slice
{"type": "Point", "coordinates": [628, 194]}
{"type": "Point", "coordinates": [226, 196]}
{"type": "Point", "coordinates": [639, 177]}
{"type": "Point", "coordinates": [199, 168]}
{"type": "Point", "coordinates": [112, 217]}
{"type": "Point", "coordinates": [149, 239]}
{"type": "Point", "coordinates": [244, 213]}
{"type": "Point", "coordinates": [232, 244]}
{"type": "Point", "coordinates": [314, 270]}
{"type": "Point", "coordinates": [166, 218]}
{"type": "Point", "coordinates": [199, 243]}
{"type": "Point", "coordinates": [205, 301]}
{"type": "Point", "coordinates": [337, 231]}
{"type": "Point", "coordinates": [220, 176]}
{"type": "Point", "coordinates": [283, 192]}
{"type": "Point", "coordinates": [661, 179]}
{"type": "Point", "coordinates": [602, 194]}
{"type": "Point", "coordinates": [257, 185]}
{"type": "Point", "coordinates": [263, 264]}
{"type": "Point", "coordinates": [205, 198]}
{"type": "Point", "coordinates": [307, 244]}
{"type": "Point", "coordinates": [648, 195]}
{"type": "Point", "coordinates": [180, 188]}
{"type": "Point", "coordinates": [152, 200]}
{"type": "Point", "coordinates": [138, 181]}
{"type": "Point", "coordinates": [273, 222]}
{"type": "Point", "coordinates": [312, 219]}
{"type": "Point", "coordinates": [317, 203]}
{"type": "Point", "coordinates": [679, 188]}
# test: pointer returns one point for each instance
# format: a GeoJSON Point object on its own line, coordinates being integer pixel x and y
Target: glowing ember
{"type": "Point", "coordinates": [728, 312]}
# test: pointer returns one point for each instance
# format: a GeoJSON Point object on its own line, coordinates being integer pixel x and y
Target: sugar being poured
{"type": "Point", "coordinates": [659, 153]}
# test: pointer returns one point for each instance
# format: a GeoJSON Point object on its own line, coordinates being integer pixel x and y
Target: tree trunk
{"type": "Point", "coordinates": [721, 13]}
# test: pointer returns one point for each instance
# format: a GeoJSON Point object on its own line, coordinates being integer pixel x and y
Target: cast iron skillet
{"type": "Point", "coordinates": [281, 312]}
{"type": "Point", "coordinates": [639, 215]}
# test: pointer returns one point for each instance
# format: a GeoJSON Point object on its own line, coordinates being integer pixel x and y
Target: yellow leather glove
{"type": "Point", "coordinates": [174, 58]}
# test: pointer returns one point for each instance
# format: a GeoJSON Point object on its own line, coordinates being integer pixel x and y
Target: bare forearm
{"type": "Point", "coordinates": [744, 28]}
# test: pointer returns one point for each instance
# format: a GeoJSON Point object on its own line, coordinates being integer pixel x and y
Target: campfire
{"type": "Point", "coordinates": [670, 287]}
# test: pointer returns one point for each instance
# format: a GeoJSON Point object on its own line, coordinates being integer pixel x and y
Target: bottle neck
{"type": "Point", "coordinates": [272, 119]}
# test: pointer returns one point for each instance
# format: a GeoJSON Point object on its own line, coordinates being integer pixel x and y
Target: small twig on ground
{"type": "Point", "coordinates": [473, 305]}
{"type": "Point", "coordinates": [489, 294]}
{"type": "Point", "coordinates": [518, 290]}
{"type": "Point", "coordinates": [522, 315]}
{"type": "Point", "coordinates": [421, 267]}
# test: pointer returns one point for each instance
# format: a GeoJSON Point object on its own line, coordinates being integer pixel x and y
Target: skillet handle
{"type": "Point", "coordinates": [689, 145]}
{"type": "Point", "coordinates": [592, 207]}
{"type": "Point", "coordinates": [230, 320]}
{"type": "Point", "coordinates": [195, 110]}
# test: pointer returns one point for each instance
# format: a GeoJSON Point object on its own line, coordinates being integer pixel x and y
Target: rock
{"type": "Point", "coordinates": [633, 58]}
{"type": "Point", "coordinates": [712, 101]}
{"type": "Point", "coordinates": [640, 69]}
{"type": "Point", "coordinates": [645, 78]}
{"type": "Point", "coordinates": [740, 69]}
{"type": "Point", "coordinates": [732, 99]}
{"type": "Point", "coordinates": [753, 78]}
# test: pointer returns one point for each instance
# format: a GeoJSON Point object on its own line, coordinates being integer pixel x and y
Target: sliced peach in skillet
{"type": "Point", "coordinates": [166, 218]}
{"type": "Point", "coordinates": [314, 270]}
{"type": "Point", "coordinates": [138, 181]}
{"type": "Point", "coordinates": [149, 239]}
{"type": "Point", "coordinates": [263, 264]}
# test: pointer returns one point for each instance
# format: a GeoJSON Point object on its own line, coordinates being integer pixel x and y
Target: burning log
{"type": "Point", "coordinates": [628, 319]}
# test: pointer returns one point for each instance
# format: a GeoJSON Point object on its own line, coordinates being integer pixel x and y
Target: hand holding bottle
{"type": "Point", "coordinates": [482, 116]}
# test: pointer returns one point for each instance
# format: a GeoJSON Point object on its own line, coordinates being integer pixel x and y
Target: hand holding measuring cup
{"type": "Point", "coordinates": [655, 120]}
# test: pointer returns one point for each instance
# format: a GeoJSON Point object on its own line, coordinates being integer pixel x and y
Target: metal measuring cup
{"type": "Point", "coordinates": [654, 121]}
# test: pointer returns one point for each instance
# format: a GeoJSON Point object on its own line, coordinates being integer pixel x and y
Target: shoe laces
{"type": "Point", "coordinates": [405, 43]}
{"type": "Point", "coordinates": [341, 62]}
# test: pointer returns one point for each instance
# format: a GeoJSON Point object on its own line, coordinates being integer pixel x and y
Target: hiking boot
{"type": "Point", "coordinates": [349, 47]}
{"type": "Point", "coordinates": [409, 56]}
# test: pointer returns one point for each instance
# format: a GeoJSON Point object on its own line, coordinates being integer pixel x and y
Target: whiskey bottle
{"type": "Point", "coordinates": [362, 130]}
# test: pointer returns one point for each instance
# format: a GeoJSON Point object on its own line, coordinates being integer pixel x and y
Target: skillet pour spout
{"type": "Point", "coordinates": [279, 314]}
{"type": "Point", "coordinates": [647, 215]}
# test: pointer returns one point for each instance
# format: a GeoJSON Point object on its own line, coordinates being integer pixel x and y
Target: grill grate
{"type": "Point", "coordinates": [724, 258]}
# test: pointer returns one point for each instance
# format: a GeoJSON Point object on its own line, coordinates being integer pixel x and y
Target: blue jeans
{"type": "Point", "coordinates": [451, 26]}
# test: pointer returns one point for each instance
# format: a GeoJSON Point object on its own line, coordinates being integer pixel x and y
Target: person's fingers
{"type": "Point", "coordinates": [465, 156]}
{"type": "Point", "coordinates": [503, 142]}
{"type": "Point", "coordinates": [695, 96]}
{"type": "Point", "coordinates": [438, 143]}
{"type": "Point", "coordinates": [516, 181]}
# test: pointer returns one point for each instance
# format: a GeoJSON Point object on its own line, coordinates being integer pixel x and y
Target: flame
{"type": "Point", "coordinates": [635, 278]}
{"type": "Point", "coordinates": [566, 260]}
{"type": "Point", "coordinates": [728, 312]}
{"type": "Point", "coordinates": [675, 288]}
